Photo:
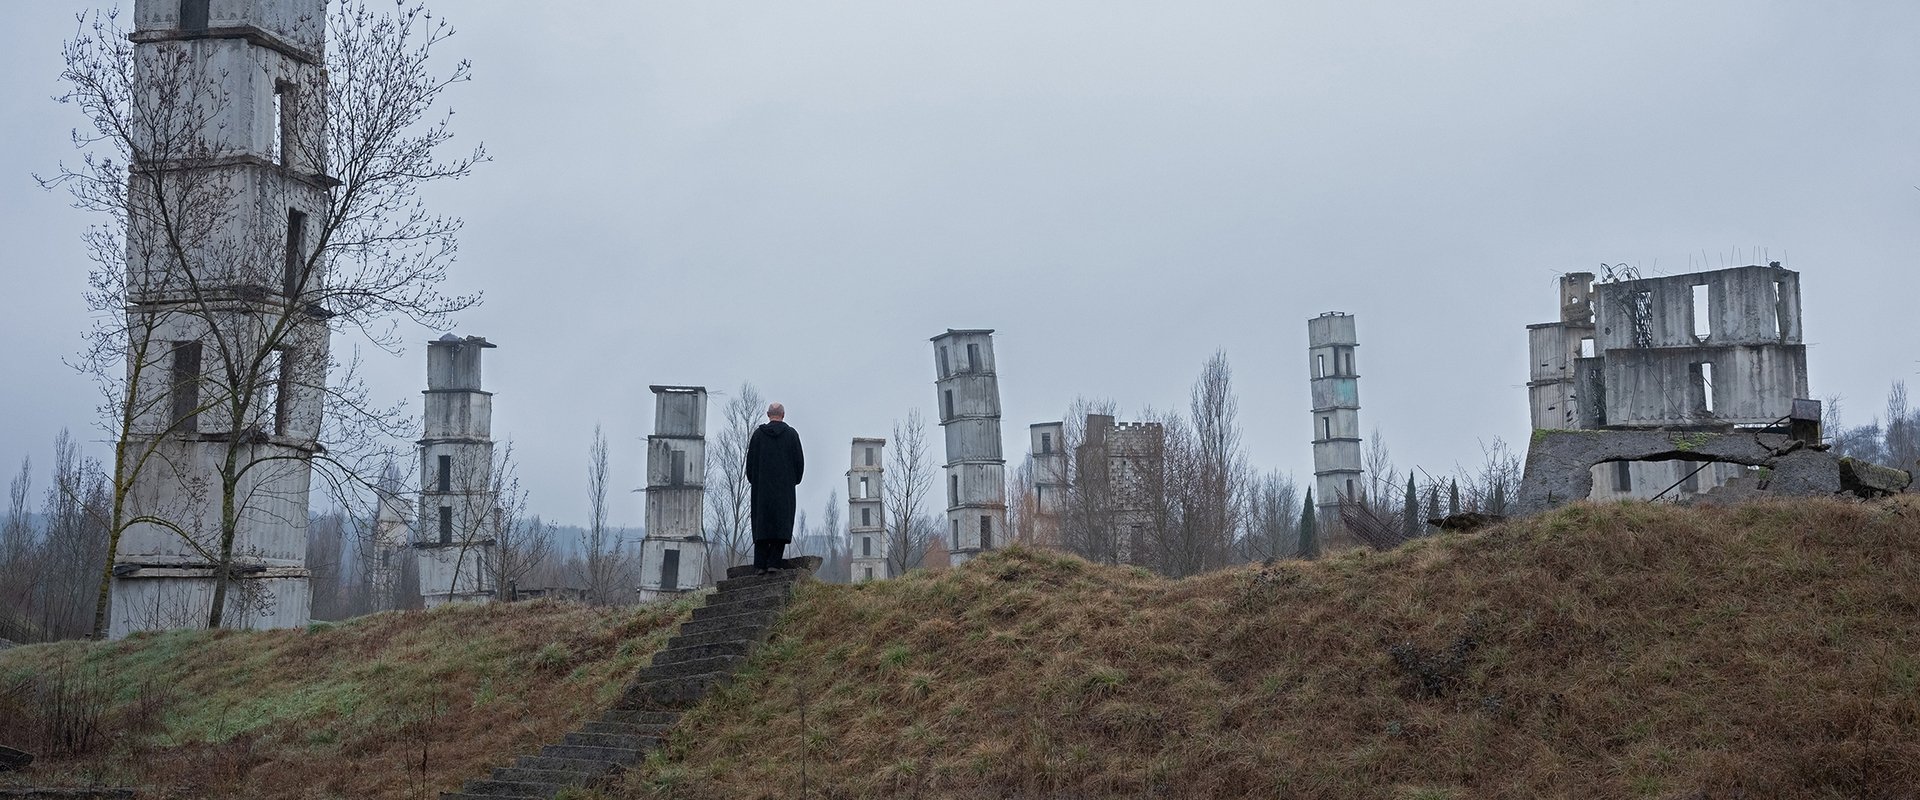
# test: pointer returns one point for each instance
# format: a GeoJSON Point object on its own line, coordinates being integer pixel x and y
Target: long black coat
{"type": "Point", "coordinates": [774, 465]}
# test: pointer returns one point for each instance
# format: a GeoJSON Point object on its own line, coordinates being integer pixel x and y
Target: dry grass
{"type": "Point", "coordinates": [394, 705]}
{"type": "Point", "coordinates": [1602, 651]}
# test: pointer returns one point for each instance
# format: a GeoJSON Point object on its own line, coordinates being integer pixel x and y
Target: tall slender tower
{"type": "Point", "coordinates": [1048, 447]}
{"type": "Point", "coordinates": [968, 391]}
{"type": "Point", "coordinates": [673, 556]}
{"type": "Point", "coordinates": [392, 536]}
{"type": "Point", "coordinates": [1331, 342]}
{"type": "Point", "coordinates": [223, 272]}
{"type": "Point", "coordinates": [866, 515]}
{"type": "Point", "coordinates": [459, 515]}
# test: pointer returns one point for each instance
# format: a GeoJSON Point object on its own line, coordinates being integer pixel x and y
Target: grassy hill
{"type": "Point", "coordinates": [1600, 651]}
{"type": "Point", "coordinates": [393, 705]}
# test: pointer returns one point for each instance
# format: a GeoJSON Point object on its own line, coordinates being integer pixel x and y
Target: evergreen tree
{"type": "Point", "coordinates": [1433, 501]}
{"type": "Point", "coordinates": [1309, 534]}
{"type": "Point", "coordinates": [1411, 523]}
{"type": "Point", "coordinates": [1453, 497]}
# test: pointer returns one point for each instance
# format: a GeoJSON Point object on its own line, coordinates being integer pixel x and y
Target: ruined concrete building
{"type": "Point", "coordinates": [185, 309]}
{"type": "Point", "coordinates": [866, 514]}
{"type": "Point", "coordinates": [459, 505]}
{"type": "Point", "coordinates": [1707, 351]}
{"type": "Point", "coordinates": [1048, 450]}
{"type": "Point", "coordinates": [673, 556]}
{"type": "Point", "coordinates": [392, 538]}
{"type": "Point", "coordinates": [1331, 341]}
{"type": "Point", "coordinates": [968, 391]}
{"type": "Point", "coordinates": [1121, 474]}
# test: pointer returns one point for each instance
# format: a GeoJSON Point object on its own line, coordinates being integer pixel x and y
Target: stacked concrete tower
{"type": "Point", "coordinates": [673, 556]}
{"type": "Point", "coordinates": [392, 535]}
{"type": "Point", "coordinates": [227, 274]}
{"type": "Point", "coordinates": [1047, 446]}
{"type": "Point", "coordinates": [459, 507]}
{"type": "Point", "coordinates": [1331, 342]}
{"type": "Point", "coordinates": [968, 392]}
{"type": "Point", "coordinates": [866, 515]}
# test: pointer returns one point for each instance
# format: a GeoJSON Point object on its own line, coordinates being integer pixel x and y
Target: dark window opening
{"type": "Point", "coordinates": [869, 456]}
{"type": "Point", "coordinates": [279, 371]}
{"type": "Point", "coordinates": [677, 468]}
{"type": "Point", "coordinates": [186, 387]}
{"type": "Point", "coordinates": [949, 400]}
{"type": "Point", "coordinates": [1350, 489]}
{"type": "Point", "coordinates": [973, 358]}
{"type": "Point", "coordinates": [944, 371]}
{"type": "Point", "coordinates": [866, 546]}
{"type": "Point", "coordinates": [1046, 444]}
{"type": "Point", "coordinates": [1326, 427]}
{"type": "Point", "coordinates": [866, 517]}
{"type": "Point", "coordinates": [295, 273]}
{"type": "Point", "coordinates": [670, 570]}
{"type": "Point", "coordinates": [445, 476]}
{"type": "Point", "coordinates": [446, 524]}
{"type": "Point", "coordinates": [956, 534]}
{"type": "Point", "coordinates": [194, 14]}
{"type": "Point", "coordinates": [1622, 476]}
{"type": "Point", "coordinates": [986, 533]}
{"type": "Point", "coordinates": [869, 573]}
{"type": "Point", "coordinates": [953, 490]}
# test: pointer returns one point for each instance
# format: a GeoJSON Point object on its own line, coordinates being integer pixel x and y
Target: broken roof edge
{"type": "Point", "coordinates": [452, 339]}
{"type": "Point", "coordinates": [661, 389]}
{"type": "Point", "coordinates": [951, 332]}
{"type": "Point", "coordinates": [1773, 266]}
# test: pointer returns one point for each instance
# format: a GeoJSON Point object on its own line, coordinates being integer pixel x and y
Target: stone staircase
{"type": "Point", "coordinates": [705, 653]}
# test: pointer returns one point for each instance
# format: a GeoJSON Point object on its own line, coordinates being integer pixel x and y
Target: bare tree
{"type": "Point", "coordinates": [604, 547]}
{"type": "Point", "coordinates": [522, 543]}
{"type": "Point", "coordinates": [909, 478]}
{"type": "Point", "coordinates": [1206, 478]}
{"type": "Point", "coordinates": [729, 496]}
{"type": "Point", "coordinates": [838, 567]}
{"type": "Point", "coordinates": [1273, 518]}
{"type": "Point", "coordinates": [213, 326]}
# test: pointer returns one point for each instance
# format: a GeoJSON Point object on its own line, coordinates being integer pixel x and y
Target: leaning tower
{"type": "Point", "coordinates": [968, 391]}
{"type": "Point", "coordinates": [459, 523]}
{"type": "Point", "coordinates": [232, 136]}
{"type": "Point", "coordinates": [673, 556]}
{"type": "Point", "coordinates": [1331, 341]}
{"type": "Point", "coordinates": [866, 515]}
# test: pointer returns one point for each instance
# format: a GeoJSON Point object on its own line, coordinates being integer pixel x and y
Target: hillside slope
{"type": "Point", "coordinates": [1600, 651]}
{"type": "Point", "coordinates": [392, 705]}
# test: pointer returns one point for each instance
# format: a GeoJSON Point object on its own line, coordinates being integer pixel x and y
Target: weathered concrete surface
{"type": "Point", "coordinates": [1872, 480]}
{"type": "Point", "coordinates": [1559, 463]}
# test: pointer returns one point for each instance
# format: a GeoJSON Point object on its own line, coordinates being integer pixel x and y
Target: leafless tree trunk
{"type": "Point", "coordinates": [909, 477]}
{"type": "Point", "coordinates": [603, 545]}
{"type": "Point", "coordinates": [522, 543]}
{"type": "Point", "coordinates": [729, 496]}
{"type": "Point", "coordinates": [183, 259]}
{"type": "Point", "coordinates": [838, 567]}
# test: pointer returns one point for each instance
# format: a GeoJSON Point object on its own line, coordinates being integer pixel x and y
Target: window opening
{"type": "Point", "coordinates": [944, 371]}
{"type": "Point", "coordinates": [1691, 483]}
{"type": "Point", "coordinates": [446, 524]}
{"type": "Point", "coordinates": [1641, 307]}
{"type": "Point", "coordinates": [186, 387]}
{"type": "Point", "coordinates": [268, 397]}
{"type": "Point", "coordinates": [866, 546]}
{"type": "Point", "coordinates": [295, 273]}
{"type": "Point", "coordinates": [953, 490]}
{"type": "Point", "coordinates": [973, 358]}
{"type": "Point", "coordinates": [956, 534]}
{"type": "Point", "coordinates": [445, 478]}
{"type": "Point", "coordinates": [670, 570]}
{"type": "Point", "coordinates": [869, 456]}
{"type": "Point", "coordinates": [1703, 385]}
{"type": "Point", "coordinates": [986, 533]}
{"type": "Point", "coordinates": [1046, 444]}
{"type": "Point", "coordinates": [1702, 313]}
{"type": "Point", "coordinates": [869, 573]}
{"type": "Point", "coordinates": [1326, 427]}
{"type": "Point", "coordinates": [1780, 307]}
{"type": "Point", "coordinates": [1586, 347]}
{"type": "Point", "coordinates": [1320, 365]}
{"type": "Point", "coordinates": [1622, 476]}
{"type": "Point", "coordinates": [949, 399]}
{"type": "Point", "coordinates": [193, 15]}
{"type": "Point", "coordinates": [866, 517]}
{"type": "Point", "coordinates": [866, 491]}
{"type": "Point", "coordinates": [677, 468]}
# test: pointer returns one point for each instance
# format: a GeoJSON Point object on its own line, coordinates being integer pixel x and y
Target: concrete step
{"type": "Point", "coordinates": [676, 654]}
{"type": "Point", "coordinates": [782, 589]}
{"type": "Point", "coordinates": [745, 633]}
{"type": "Point", "coordinates": [618, 741]}
{"type": "Point", "coordinates": [579, 766]}
{"type": "Point", "coordinates": [624, 728]}
{"type": "Point", "coordinates": [696, 666]}
{"type": "Point", "coordinates": [751, 581]}
{"type": "Point", "coordinates": [559, 776]}
{"type": "Point", "coordinates": [770, 603]}
{"type": "Point", "coordinates": [672, 694]}
{"type": "Point", "coordinates": [610, 755]}
{"type": "Point", "coordinates": [663, 719]}
{"type": "Point", "coordinates": [748, 623]}
{"type": "Point", "coordinates": [511, 789]}
{"type": "Point", "coordinates": [803, 564]}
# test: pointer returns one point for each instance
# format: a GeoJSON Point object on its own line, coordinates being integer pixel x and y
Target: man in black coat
{"type": "Point", "coordinates": [774, 465]}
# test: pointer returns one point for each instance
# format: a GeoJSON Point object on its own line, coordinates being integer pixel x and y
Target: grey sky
{"type": "Point", "coordinates": [799, 194]}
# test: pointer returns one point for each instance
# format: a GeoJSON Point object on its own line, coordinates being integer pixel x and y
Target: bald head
{"type": "Point", "coordinates": [776, 411]}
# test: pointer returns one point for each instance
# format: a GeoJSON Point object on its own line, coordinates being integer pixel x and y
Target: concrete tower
{"type": "Point", "coordinates": [459, 519]}
{"type": "Point", "coordinates": [1049, 450]}
{"type": "Point", "coordinates": [240, 71]}
{"type": "Point", "coordinates": [969, 395]}
{"type": "Point", "coordinates": [1331, 342]}
{"type": "Point", "coordinates": [866, 515]}
{"type": "Point", "coordinates": [392, 535]}
{"type": "Point", "coordinates": [673, 556]}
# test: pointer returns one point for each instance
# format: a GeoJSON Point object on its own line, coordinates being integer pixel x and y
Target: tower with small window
{"type": "Point", "coordinates": [226, 190]}
{"type": "Point", "coordinates": [392, 538]}
{"type": "Point", "coordinates": [458, 526]}
{"type": "Point", "coordinates": [867, 539]}
{"type": "Point", "coordinates": [673, 556]}
{"type": "Point", "coordinates": [1335, 379]}
{"type": "Point", "coordinates": [967, 389]}
{"type": "Point", "coordinates": [1047, 446]}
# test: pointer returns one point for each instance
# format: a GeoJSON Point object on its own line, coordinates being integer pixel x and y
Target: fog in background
{"type": "Point", "coordinates": [800, 194]}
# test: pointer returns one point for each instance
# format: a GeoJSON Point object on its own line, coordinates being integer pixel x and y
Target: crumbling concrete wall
{"type": "Point", "coordinates": [1559, 463]}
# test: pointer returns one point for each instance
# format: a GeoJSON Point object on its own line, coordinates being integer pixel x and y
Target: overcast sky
{"type": "Point", "coordinates": [799, 194]}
